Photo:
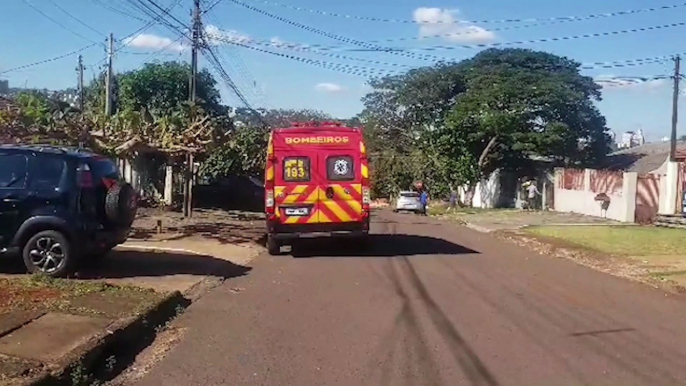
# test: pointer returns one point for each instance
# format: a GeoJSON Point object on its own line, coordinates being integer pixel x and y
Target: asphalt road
{"type": "Point", "coordinates": [429, 304]}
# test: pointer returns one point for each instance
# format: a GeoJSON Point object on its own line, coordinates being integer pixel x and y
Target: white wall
{"type": "Point", "coordinates": [622, 205]}
{"type": "Point", "coordinates": [486, 194]}
{"type": "Point", "coordinates": [669, 188]}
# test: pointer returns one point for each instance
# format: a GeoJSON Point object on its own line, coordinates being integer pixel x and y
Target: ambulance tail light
{"type": "Point", "coordinates": [269, 201]}
{"type": "Point", "coordinates": [366, 198]}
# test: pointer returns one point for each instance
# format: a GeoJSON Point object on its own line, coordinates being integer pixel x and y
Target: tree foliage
{"type": "Point", "coordinates": [160, 88]}
{"type": "Point", "coordinates": [453, 124]}
{"type": "Point", "coordinates": [245, 149]}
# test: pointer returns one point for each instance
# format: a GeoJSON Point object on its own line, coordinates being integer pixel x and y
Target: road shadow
{"type": "Point", "coordinates": [132, 264]}
{"type": "Point", "coordinates": [380, 245]}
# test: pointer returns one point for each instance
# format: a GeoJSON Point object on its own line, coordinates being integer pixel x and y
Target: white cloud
{"type": "Point", "coordinates": [277, 42]}
{"type": "Point", "coordinates": [217, 36]}
{"type": "Point", "coordinates": [331, 88]}
{"type": "Point", "coordinates": [444, 23]}
{"type": "Point", "coordinates": [611, 82]}
{"type": "Point", "coordinates": [149, 41]}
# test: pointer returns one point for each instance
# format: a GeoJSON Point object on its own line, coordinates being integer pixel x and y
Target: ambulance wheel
{"type": "Point", "coordinates": [273, 246]}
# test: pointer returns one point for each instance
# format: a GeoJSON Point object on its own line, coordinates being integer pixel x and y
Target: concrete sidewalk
{"type": "Point", "coordinates": [43, 335]}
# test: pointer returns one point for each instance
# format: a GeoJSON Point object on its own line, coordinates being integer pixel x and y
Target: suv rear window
{"type": "Point", "coordinates": [48, 173]}
{"type": "Point", "coordinates": [296, 169]}
{"type": "Point", "coordinates": [104, 168]}
{"type": "Point", "coordinates": [13, 171]}
{"type": "Point", "coordinates": [340, 168]}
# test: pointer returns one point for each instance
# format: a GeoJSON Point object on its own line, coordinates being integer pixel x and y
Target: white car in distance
{"type": "Point", "coordinates": [408, 201]}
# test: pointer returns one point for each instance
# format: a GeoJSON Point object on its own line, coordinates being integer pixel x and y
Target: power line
{"type": "Point", "coordinates": [368, 46]}
{"type": "Point", "coordinates": [57, 22]}
{"type": "Point", "coordinates": [49, 60]}
{"type": "Point", "coordinates": [304, 49]}
{"type": "Point", "coordinates": [152, 22]}
{"type": "Point", "coordinates": [75, 18]}
{"type": "Point", "coordinates": [309, 49]}
{"type": "Point", "coordinates": [345, 68]}
{"type": "Point", "coordinates": [209, 8]}
{"type": "Point", "coordinates": [216, 63]}
{"type": "Point", "coordinates": [523, 20]}
{"type": "Point", "coordinates": [116, 10]}
{"type": "Point", "coordinates": [241, 68]}
{"type": "Point", "coordinates": [533, 41]}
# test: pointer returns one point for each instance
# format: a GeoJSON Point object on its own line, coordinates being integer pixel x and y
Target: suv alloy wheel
{"type": "Point", "coordinates": [49, 253]}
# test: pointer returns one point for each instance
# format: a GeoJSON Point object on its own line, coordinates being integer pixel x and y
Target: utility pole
{"type": "Point", "coordinates": [108, 78]}
{"type": "Point", "coordinates": [192, 90]}
{"type": "Point", "coordinates": [675, 107]}
{"type": "Point", "coordinates": [79, 69]}
{"type": "Point", "coordinates": [192, 93]}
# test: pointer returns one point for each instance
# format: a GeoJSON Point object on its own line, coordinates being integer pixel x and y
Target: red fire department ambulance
{"type": "Point", "coordinates": [317, 183]}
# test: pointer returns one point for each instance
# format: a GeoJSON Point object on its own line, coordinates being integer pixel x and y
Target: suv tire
{"type": "Point", "coordinates": [49, 253]}
{"type": "Point", "coordinates": [120, 205]}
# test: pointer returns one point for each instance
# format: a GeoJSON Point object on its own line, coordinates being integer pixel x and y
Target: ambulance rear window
{"type": "Point", "coordinates": [296, 169]}
{"type": "Point", "coordinates": [340, 168]}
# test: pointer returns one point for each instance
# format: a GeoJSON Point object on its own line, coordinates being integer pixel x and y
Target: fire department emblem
{"type": "Point", "coordinates": [340, 167]}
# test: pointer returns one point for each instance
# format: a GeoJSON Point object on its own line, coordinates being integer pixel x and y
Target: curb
{"type": "Point", "coordinates": [134, 247]}
{"type": "Point", "coordinates": [115, 341]}
{"type": "Point", "coordinates": [478, 228]}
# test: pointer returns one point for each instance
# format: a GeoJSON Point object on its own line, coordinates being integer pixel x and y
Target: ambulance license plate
{"type": "Point", "coordinates": [297, 211]}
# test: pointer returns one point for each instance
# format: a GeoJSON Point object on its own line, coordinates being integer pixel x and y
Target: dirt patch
{"type": "Point", "coordinates": [228, 227]}
{"type": "Point", "coordinates": [16, 294]}
{"type": "Point", "coordinates": [14, 370]}
{"type": "Point", "coordinates": [620, 266]}
{"type": "Point", "coordinates": [37, 293]}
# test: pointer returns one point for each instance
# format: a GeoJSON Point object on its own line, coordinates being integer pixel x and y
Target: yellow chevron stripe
{"type": "Point", "coordinates": [337, 210]}
{"type": "Point", "coordinates": [270, 146]}
{"type": "Point", "coordinates": [323, 218]}
{"type": "Point", "coordinates": [365, 171]}
{"type": "Point", "coordinates": [270, 173]}
{"type": "Point", "coordinates": [358, 188]}
{"type": "Point", "coordinates": [363, 148]}
{"type": "Point", "coordinates": [291, 220]}
{"type": "Point", "coordinates": [340, 192]}
{"type": "Point", "coordinates": [294, 196]}
{"type": "Point", "coordinates": [355, 205]}
{"type": "Point", "coordinates": [314, 196]}
{"type": "Point", "coordinates": [315, 218]}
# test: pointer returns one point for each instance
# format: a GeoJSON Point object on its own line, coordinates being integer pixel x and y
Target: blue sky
{"type": "Point", "coordinates": [26, 36]}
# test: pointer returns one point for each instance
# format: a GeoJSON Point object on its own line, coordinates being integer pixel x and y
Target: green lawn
{"type": "Point", "coordinates": [620, 240]}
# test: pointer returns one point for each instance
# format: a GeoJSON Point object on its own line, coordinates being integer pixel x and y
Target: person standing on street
{"type": "Point", "coordinates": [452, 201]}
{"type": "Point", "coordinates": [532, 191]}
{"type": "Point", "coordinates": [424, 200]}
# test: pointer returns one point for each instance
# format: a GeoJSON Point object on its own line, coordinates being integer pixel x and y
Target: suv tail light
{"type": "Point", "coordinates": [84, 176]}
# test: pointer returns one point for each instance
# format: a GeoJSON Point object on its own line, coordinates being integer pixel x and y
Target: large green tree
{"type": "Point", "coordinates": [160, 88]}
{"type": "Point", "coordinates": [454, 123]}
{"type": "Point", "coordinates": [399, 115]}
{"type": "Point", "coordinates": [520, 104]}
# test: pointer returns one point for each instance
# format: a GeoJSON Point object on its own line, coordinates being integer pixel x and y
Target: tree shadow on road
{"type": "Point", "coordinates": [380, 245]}
{"type": "Point", "coordinates": [131, 264]}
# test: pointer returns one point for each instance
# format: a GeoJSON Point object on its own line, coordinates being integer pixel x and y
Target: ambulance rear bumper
{"type": "Point", "coordinates": [299, 231]}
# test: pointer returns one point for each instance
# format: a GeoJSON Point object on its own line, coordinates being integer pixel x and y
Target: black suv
{"type": "Point", "coordinates": [61, 207]}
